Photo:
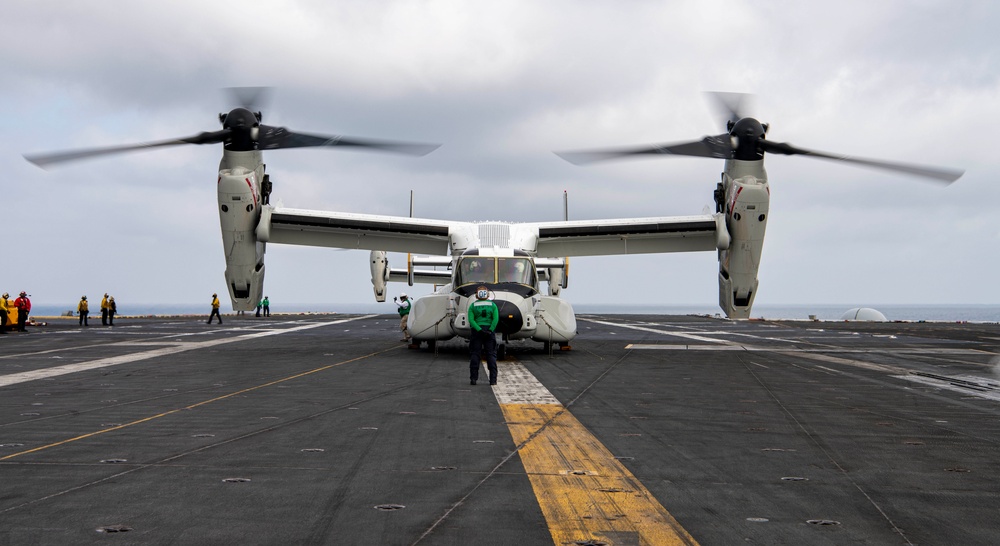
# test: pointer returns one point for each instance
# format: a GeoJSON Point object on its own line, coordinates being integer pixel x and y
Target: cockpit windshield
{"type": "Point", "coordinates": [477, 269]}
{"type": "Point", "coordinates": [514, 270]}
{"type": "Point", "coordinates": [487, 269]}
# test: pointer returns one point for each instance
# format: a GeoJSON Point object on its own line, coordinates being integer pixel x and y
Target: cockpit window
{"type": "Point", "coordinates": [514, 270]}
{"type": "Point", "coordinates": [484, 269]}
{"type": "Point", "coordinates": [477, 269]}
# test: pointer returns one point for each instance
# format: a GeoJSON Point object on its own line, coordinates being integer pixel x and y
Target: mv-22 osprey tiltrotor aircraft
{"type": "Point", "coordinates": [511, 259]}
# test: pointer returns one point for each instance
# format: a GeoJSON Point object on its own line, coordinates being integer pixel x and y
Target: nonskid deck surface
{"type": "Point", "coordinates": [652, 430]}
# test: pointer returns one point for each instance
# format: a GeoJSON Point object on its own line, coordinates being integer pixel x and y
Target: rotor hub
{"type": "Point", "coordinates": [244, 127]}
{"type": "Point", "coordinates": [746, 133]}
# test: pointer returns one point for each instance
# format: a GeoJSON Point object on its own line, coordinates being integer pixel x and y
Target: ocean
{"type": "Point", "coordinates": [914, 312]}
{"type": "Point", "coordinates": [821, 311]}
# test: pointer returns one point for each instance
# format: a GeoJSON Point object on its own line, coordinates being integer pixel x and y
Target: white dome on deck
{"type": "Point", "coordinates": [866, 314]}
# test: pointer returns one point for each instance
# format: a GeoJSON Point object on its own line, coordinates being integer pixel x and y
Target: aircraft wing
{"type": "Point", "coordinates": [348, 230]}
{"type": "Point", "coordinates": [632, 236]}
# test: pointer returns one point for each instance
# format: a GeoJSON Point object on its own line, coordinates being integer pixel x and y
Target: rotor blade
{"type": "Point", "coordinates": [937, 173]}
{"type": "Point", "coordinates": [719, 146]}
{"type": "Point", "coordinates": [254, 99]}
{"type": "Point", "coordinates": [730, 105]}
{"type": "Point", "coordinates": [44, 160]}
{"type": "Point", "coordinates": [273, 138]}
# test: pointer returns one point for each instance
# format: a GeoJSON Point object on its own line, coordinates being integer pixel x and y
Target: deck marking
{"type": "Point", "coordinates": [120, 331]}
{"type": "Point", "coordinates": [33, 375]}
{"type": "Point", "coordinates": [584, 492]}
{"type": "Point", "coordinates": [676, 347]}
{"type": "Point", "coordinates": [195, 405]}
{"type": "Point", "coordinates": [759, 348]}
{"type": "Point", "coordinates": [664, 332]}
{"type": "Point", "coordinates": [727, 345]}
{"type": "Point", "coordinates": [966, 384]}
{"type": "Point", "coordinates": [825, 354]}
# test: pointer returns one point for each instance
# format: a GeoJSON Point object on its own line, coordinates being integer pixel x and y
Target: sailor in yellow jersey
{"type": "Point", "coordinates": [215, 309]}
{"type": "Point", "coordinates": [4, 309]}
{"type": "Point", "coordinates": [84, 310]}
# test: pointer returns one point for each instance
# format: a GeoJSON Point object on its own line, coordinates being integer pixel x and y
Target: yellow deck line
{"type": "Point", "coordinates": [584, 492]}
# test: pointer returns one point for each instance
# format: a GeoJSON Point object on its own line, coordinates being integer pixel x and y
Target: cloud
{"type": "Point", "coordinates": [502, 85]}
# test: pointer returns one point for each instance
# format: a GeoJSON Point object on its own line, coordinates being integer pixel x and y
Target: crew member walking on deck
{"type": "Point", "coordinates": [23, 305]}
{"type": "Point", "coordinates": [112, 311]}
{"type": "Point", "coordinates": [267, 306]}
{"type": "Point", "coordinates": [483, 318]}
{"type": "Point", "coordinates": [403, 302]}
{"type": "Point", "coordinates": [84, 310]}
{"type": "Point", "coordinates": [215, 309]}
{"type": "Point", "coordinates": [104, 310]}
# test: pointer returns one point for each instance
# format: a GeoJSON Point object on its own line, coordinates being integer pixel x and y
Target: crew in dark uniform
{"type": "Point", "coordinates": [483, 318]}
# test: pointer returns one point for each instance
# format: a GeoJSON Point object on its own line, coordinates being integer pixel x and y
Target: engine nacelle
{"type": "Point", "coordinates": [429, 317]}
{"type": "Point", "coordinates": [239, 214]}
{"type": "Point", "coordinates": [556, 280]}
{"type": "Point", "coordinates": [747, 203]}
{"type": "Point", "coordinates": [555, 272]}
{"type": "Point", "coordinates": [380, 273]}
{"type": "Point", "coordinates": [556, 321]}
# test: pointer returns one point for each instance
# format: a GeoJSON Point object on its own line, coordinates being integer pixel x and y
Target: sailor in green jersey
{"type": "Point", "coordinates": [483, 317]}
{"type": "Point", "coordinates": [403, 304]}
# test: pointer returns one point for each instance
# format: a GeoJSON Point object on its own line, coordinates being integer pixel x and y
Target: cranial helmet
{"type": "Point", "coordinates": [482, 293]}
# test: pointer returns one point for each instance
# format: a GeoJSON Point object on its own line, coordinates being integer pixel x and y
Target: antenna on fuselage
{"type": "Point", "coordinates": [409, 256]}
{"type": "Point", "coordinates": [566, 205]}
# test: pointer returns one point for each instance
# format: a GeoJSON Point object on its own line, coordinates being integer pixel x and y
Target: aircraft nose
{"type": "Point", "coordinates": [510, 318]}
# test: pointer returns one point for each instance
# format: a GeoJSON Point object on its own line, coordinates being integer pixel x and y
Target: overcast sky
{"type": "Point", "coordinates": [501, 85]}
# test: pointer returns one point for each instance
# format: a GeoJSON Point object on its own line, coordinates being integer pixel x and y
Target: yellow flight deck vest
{"type": "Point", "coordinates": [83, 306]}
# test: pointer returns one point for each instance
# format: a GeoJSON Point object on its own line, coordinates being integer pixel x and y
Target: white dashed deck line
{"type": "Point", "coordinates": [516, 385]}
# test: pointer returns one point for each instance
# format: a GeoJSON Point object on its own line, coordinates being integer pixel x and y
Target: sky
{"type": "Point", "coordinates": [501, 85]}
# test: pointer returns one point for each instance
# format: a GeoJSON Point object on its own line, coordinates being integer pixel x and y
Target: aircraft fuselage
{"type": "Point", "coordinates": [511, 278]}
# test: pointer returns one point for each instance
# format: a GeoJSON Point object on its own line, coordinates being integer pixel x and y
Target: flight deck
{"type": "Point", "coordinates": [326, 429]}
